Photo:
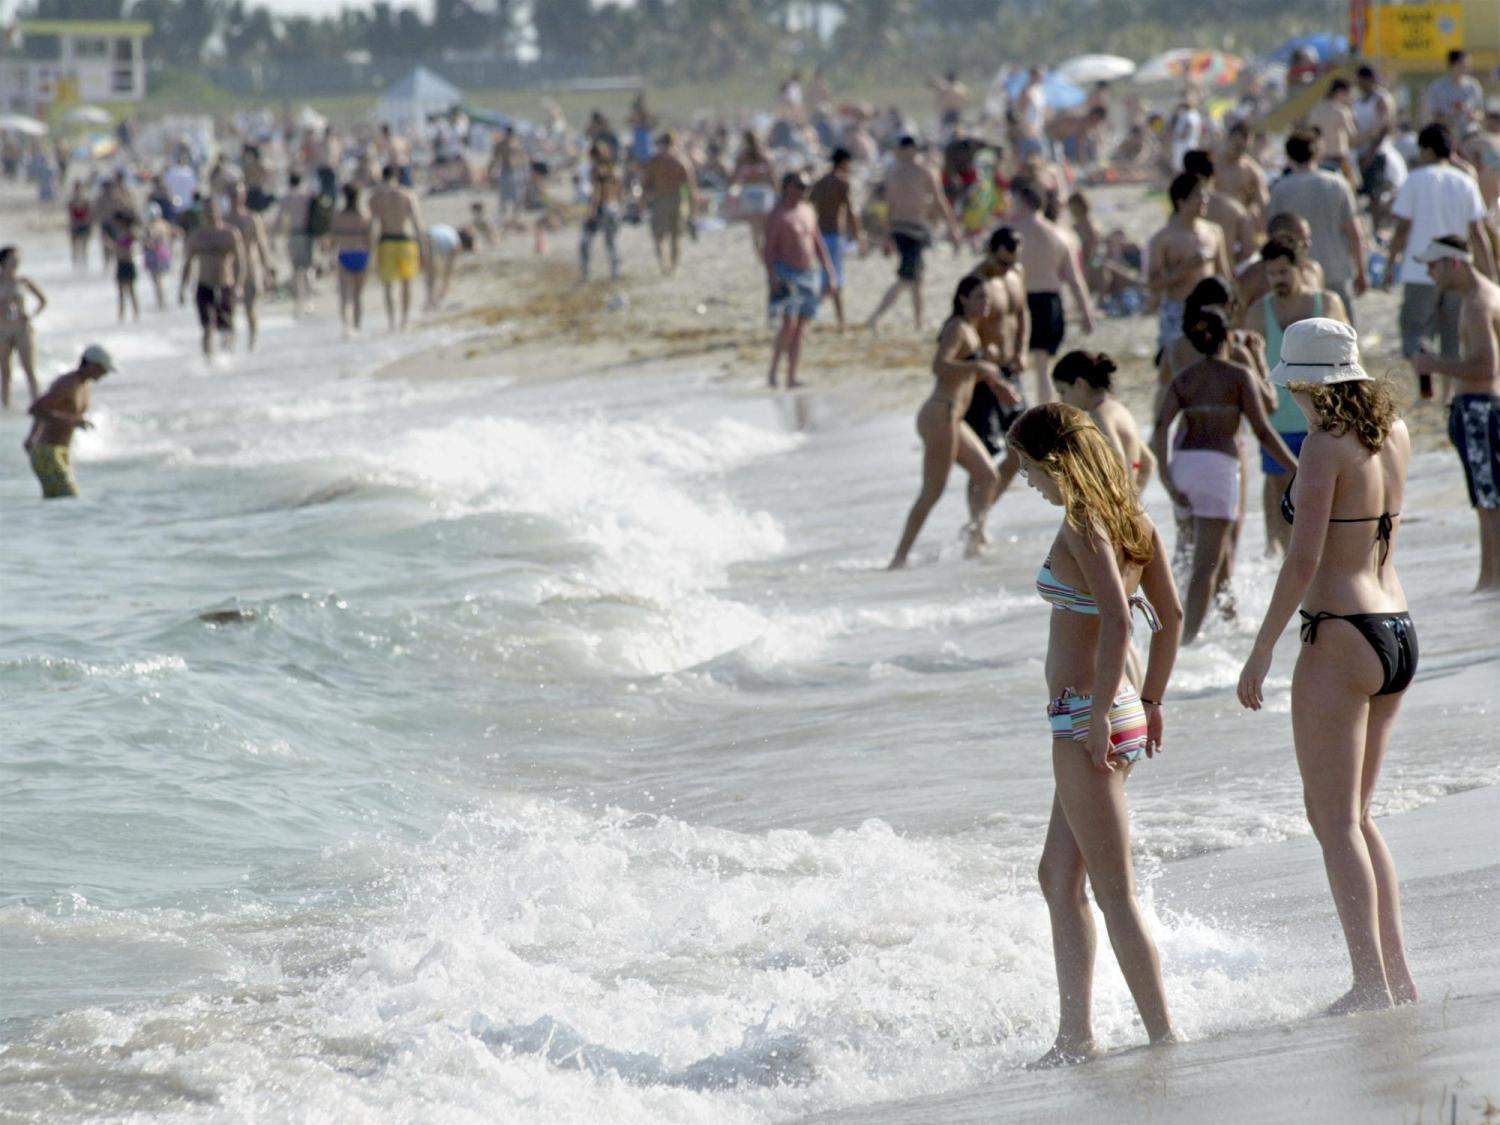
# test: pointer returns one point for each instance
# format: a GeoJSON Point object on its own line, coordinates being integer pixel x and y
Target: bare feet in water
{"type": "Point", "coordinates": [975, 540]}
{"type": "Point", "coordinates": [1361, 1000]}
{"type": "Point", "coordinates": [1066, 1054]}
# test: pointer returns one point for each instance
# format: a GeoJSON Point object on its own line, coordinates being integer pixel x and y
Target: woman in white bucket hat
{"type": "Point", "coordinates": [1359, 648]}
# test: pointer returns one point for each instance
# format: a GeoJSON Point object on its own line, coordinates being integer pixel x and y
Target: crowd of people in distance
{"type": "Point", "coordinates": [1252, 288]}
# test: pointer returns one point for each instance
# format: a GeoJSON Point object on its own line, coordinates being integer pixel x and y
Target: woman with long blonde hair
{"type": "Point", "coordinates": [1359, 647]}
{"type": "Point", "coordinates": [1107, 558]}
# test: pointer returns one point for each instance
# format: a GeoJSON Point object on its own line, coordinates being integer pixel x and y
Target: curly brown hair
{"type": "Point", "coordinates": [1097, 494]}
{"type": "Point", "coordinates": [1363, 407]}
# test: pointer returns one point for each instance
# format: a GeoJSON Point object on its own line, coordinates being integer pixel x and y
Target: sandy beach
{"type": "Point", "coordinates": [513, 719]}
{"type": "Point", "coordinates": [712, 313]}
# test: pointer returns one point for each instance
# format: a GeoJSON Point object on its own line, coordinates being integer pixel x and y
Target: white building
{"type": "Point", "coordinates": [71, 61]}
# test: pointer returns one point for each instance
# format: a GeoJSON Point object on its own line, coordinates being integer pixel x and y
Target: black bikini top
{"type": "Point", "coordinates": [1384, 523]}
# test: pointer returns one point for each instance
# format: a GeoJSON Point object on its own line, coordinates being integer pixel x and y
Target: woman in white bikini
{"type": "Point", "coordinates": [1203, 473]}
{"type": "Point", "coordinates": [755, 176]}
{"type": "Point", "coordinates": [16, 336]}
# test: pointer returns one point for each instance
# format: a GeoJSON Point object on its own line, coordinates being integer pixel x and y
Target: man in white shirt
{"type": "Point", "coordinates": [1187, 129]}
{"type": "Point", "coordinates": [180, 180]}
{"type": "Point", "coordinates": [1436, 200]}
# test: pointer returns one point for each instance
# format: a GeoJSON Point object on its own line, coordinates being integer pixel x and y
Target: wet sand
{"type": "Point", "coordinates": [1403, 1065]}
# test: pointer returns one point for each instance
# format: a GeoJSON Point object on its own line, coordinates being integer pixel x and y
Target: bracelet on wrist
{"type": "Point", "coordinates": [1152, 702]}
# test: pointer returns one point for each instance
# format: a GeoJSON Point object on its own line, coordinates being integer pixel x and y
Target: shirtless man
{"type": "Point", "coordinates": [1375, 124]}
{"type": "Point", "coordinates": [1181, 254]}
{"type": "Point", "coordinates": [1239, 176]}
{"type": "Point", "coordinates": [952, 96]}
{"type": "Point", "coordinates": [1333, 118]}
{"type": "Point", "coordinates": [54, 418]}
{"type": "Point", "coordinates": [668, 183]}
{"type": "Point", "coordinates": [397, 218]}
{"type": "Point", "coordinates": [1483, 151]}
{"type": "Point", "coordinates": [1075, 133]}
{"type": "Point", "coordinates": [508, 171]}
{"type": "Point", "coordinates": [832, 198]}
{"type": "Point", "coordinates": [252, 231]}
{"type": "Point", "coordinates": [327, 156]}
{"type": "Point", "coordinates": [1241, 233]}
{"type": "Point", "coordinates": [1474, 415]}
{"type": "Point", "coordinates": [913, 191]}
{"type": "Point", "coordinates": [1289, 301]}
{"type": "Point", "coordinates": [257, 179]}
{"type": "Point", "coordinates": [220, 254]}
{"type": "Point", "coordinates": [1003, 332]}
{"type": "Point", "coordinates": [1050, 260]}
{"type": "Point", "coordinates": [794, 254]}
{"type": "Point", "coordinates": [291, 220]}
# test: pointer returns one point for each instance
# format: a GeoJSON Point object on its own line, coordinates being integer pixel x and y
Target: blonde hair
{"type": "Point", "coordinates": [1097, 494]}
{"type": "Point", "coordinates": [1363, 407]}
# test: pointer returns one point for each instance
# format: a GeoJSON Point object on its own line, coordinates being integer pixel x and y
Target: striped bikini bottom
{"type": "Point", "coordinates": [1070, 714]}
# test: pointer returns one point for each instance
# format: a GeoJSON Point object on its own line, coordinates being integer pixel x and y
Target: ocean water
{"type": "Point", "coordinates": [540, 747]}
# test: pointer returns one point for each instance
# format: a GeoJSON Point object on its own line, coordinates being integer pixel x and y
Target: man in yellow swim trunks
{"type": "Point", "coordinates": [398, 254]}
{"type": "Point", "coordinates": [56, 415]}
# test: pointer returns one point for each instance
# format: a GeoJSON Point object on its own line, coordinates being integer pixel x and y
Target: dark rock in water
{"type": "Point", "coordinates": [228, 616]}
{"type": "Point", "coordinates": [761, 1060]}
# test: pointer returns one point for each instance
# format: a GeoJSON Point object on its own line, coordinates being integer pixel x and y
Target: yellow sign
{"type": "Point", "coordinates": [1414, 31]}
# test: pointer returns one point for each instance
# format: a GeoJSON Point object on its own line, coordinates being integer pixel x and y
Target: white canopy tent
{"type": "Point", "coordinates": [406, 104]}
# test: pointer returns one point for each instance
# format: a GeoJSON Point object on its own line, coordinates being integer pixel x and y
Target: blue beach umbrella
{"type": "Point", "coordinates": [1060, 93]}
{"type": "Point", "coordinates": [1325, 45]}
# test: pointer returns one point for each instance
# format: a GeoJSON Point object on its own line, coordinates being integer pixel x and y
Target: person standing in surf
{"type": "Point", "coordinates": [16, 335]}
{"type": "Point", "coordinates": [1086, 380]}
{"type": "Point", "coordinates": [54, 418]}
{"type": "Point", "coordinates": [1359, 647]}
{"type": "Point", "coordinates": [796, 263]}
{"type": "Point", "coordinates": [353, 244]}
{"type": "Point", "coordinates": [1107, 558]}
{"type": "Point", "coordinates": [946, 437]}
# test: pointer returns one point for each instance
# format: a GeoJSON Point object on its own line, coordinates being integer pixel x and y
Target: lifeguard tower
{"type": "Point", "coordinates": [50, 63]}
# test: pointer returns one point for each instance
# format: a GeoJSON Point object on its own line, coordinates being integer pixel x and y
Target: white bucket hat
{"type": "Point", "coordinates": [1440, 248]}
{"type": "Point", "coordinates": [1319, 350]}
{"type": "Point", "coordinates": [96, 355]}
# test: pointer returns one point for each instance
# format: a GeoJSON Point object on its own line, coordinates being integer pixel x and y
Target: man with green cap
{"type": "Point", "coordinates": [54, 418]}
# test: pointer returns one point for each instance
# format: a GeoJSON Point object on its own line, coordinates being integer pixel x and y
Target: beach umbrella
{"type": "Point", "coordinates": [1191, 64]}
{"type": "Point", "coordinates": [1324, 46]}
{"type": "Point", "coordinates": [1059, 92]}
{"type": "Point", "coordinates": [310, 119]}
{"type": "Point", "coordinates": [20, 123]}
{"type": "Point", "coordinates": [87, 115]}
{"type": "Point", "coordinates": [1085, 70]}
{"type": "Point", "coordinates": [488, 118]}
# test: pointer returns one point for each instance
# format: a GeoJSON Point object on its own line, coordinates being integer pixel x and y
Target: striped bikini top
{"type": "Point", "coordinates": [1062, 596]}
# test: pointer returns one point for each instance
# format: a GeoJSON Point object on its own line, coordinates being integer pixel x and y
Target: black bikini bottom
{"type": "Point", "coordinates": [1391, 635]}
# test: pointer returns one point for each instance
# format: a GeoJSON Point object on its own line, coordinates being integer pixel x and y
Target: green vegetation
{"type": "Point", "coordinates": [708, 46]}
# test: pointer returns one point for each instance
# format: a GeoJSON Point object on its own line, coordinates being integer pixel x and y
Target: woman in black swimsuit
{"type": "Point", "coordinates": [1359, 648]}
